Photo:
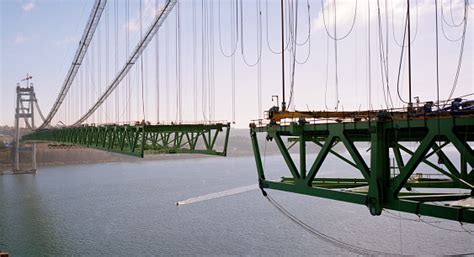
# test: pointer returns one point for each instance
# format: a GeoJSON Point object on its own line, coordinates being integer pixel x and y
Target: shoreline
{"type": "Point", "coordinates": [7, 169]}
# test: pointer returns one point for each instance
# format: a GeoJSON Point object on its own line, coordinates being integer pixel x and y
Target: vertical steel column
{"type": "Point", "coordinates": [302, 155]}
{"type": "Point", "coordinates": [258, 158]}
{"type": "Point", "coordinates": [17, 130]}
{"type": "Point", "coordinates": [380, 168]}
{"type": "Point", "coordinates": [32, 112]}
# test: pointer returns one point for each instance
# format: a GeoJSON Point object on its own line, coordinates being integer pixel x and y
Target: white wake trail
{"type": "Point", "coordinates": [225, 193]}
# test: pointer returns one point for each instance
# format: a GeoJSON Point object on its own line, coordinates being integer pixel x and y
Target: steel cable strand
{"type": "Point", "coordinates": [460, 59]}
{"type": "Point", "coordinates": [157, 67]}
{"type": "Point", "coordinates": [381, 53]}
{"type": "Point", "coordinates": [203, 59]}
{"type": "Point", "coordinates": [467, 230]}
{"type": "Point", "coordinates": [308, 37]}
{"type": "Point", "coordinates": [259, 35]}
{"type": "Point", "coordinates": [400, 64]}
{"type": "Point", "coordinates": [294, 39]}
{"type": "Point", "coordinates": [464, 27]}
{"type": "Point", "coordinates": [351, 28]}
{"type": "Point", "coordinates": [212, 56]}
{"type": "Point", "coordinates": [294, 45]}
{"type": "Point", "coordinates": [451, 12]}
{"type": "Point", "coordinates": [178, 64]}
{"type": "Point", "coordinates": [383, 57]}
{"type": "Point", "coordinates": [326, 70]}
{"type": "Point", "coordinates": [431, 223]}
{"type": "Point", "coordinates": [195, 97]}
{"type": "Point", "coordinates": [387, 72]}
{"type": "Point", "coordinates": [393, 28]}
{"type": "Point", "coordinates": [326, 238]}
{"type": "Point", "coordinates": [234, 34]}
{"type": "Point", "coordinates": [234, 44]}
{"type": "Point", "coordinates": [369, 58]}
{"type": "Point", "coordinates": [394, 216]}
{"type": "Point", "coordinates": [307, 40]}
{"type": "Point", "coordinates": [141, 63]}
{"type": "Point", "coordinates": [336, 73]}
{"type": "Point", "coordinates": [448, 229]}
{"type": "Point", "coordinates": [307, 55]}
{"type": "Point", "coordinates": [267, 29]}
{"type": "Point", "coordinates": [453, 24]}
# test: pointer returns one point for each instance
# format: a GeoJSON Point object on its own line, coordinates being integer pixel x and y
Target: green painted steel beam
{"type": "Point", "coordinates": [379, 187]}
{"type": "Point", "coordinates": [138, 140]}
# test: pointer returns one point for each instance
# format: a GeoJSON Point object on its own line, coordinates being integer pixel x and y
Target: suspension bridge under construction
{"type": "Point", "coordinates": [398, 140]}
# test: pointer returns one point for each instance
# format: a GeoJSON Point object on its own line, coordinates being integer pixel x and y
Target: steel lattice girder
{"type": "Point", "coordinates": [377, 187]}
{"type": "Point", "coordinates": [139, 140]}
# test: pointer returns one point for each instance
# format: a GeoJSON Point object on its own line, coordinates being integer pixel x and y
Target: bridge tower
{"type": "Point", "coordinates": [25, 101]}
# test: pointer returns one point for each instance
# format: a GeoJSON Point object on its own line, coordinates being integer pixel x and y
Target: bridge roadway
{"type": "Point", "coordinates": [140, 139]}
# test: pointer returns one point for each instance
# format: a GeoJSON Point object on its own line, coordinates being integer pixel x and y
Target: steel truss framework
{"type": "Point", "coordinates": [138, 140]}
{"type": "Point", "coordinates": [377, 186]}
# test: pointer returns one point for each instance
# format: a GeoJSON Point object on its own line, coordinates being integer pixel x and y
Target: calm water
{"type": "Point", "coordinates": [129, 209]}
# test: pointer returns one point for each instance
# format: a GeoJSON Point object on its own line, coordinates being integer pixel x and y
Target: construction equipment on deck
{"type": "Point", "coordinates": [377, 186]}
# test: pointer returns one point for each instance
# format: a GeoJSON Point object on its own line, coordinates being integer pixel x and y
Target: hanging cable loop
{"type": "Point", "coordinates": [308, 37]}
{"type": "Point", "coordinates": [259, 35]}
{"type": "Point", "coordinates": [453, 24]}
{"type": "Point", "coordinates": [464, 23]}
{"type": "Point", "coordinates": [235, 35]}
{"type": "Point", "coordinates": [393, 28]}
{"type": "Point", "coordinates": [334, 37]}
{"type": "Point", "coordinates": [267, 29]}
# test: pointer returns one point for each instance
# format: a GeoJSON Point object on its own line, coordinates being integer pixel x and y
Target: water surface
{"type": "Point", "coordinates": [129, 209]}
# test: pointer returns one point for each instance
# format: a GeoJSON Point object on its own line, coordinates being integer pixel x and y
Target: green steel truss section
{"type": "Point", "coordinates": [138, 140]}
{"type": "Point", "coordinates": [380, 184]}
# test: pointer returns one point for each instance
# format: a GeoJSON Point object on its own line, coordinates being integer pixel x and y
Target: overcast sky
{"type": "Point", "coordinates": [41, 37]}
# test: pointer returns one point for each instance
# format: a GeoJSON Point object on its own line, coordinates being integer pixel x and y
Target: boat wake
{"type": "Point", "coordinates": [216, 195]}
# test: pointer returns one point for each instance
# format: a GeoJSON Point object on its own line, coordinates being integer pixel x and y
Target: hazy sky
{"type": "Point", "coordinates": [41, 37]}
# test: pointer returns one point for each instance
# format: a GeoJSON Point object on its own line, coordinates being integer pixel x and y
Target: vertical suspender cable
{"type": "Point", "coordinates": [283, 103]}
{"type": "Point", "coordinates": [86, 93]}
{"type": "Point", "coordinates": [335, 56]}
{"type": "Point", "coordinates": [117, 94]}
{"type": "Point", "coordinates": [233, 18]}
{"type": "Point", "coordinates": [99, 70]}
{"type": "Point", "coordinates": [141, 64]}
{"type": "Point", "coordinates": [194, 61]}
{"type": "Point", "coordinates": [211, 77]}
{"type": "Point", "coordinates": [106, 59]}
{"type": "Point", "coordinates": [203, 61]}
{"type": "Point", "coordinates": [178, 62]}
{"type": "Point", "coordinates": [437, 56]}
{"type": "Point", "coordinates": [410, 104]}
{"type": "Point", "coordinates": [157, 78]}
{"type": "Point", "coordinates": [369, 62]}
{"type": "Point", "coordinates": [128, 79]}
{"type": "Point", "coordinates": [167, 45]}
{"type": "Point", "coordinates": [259, 90]}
